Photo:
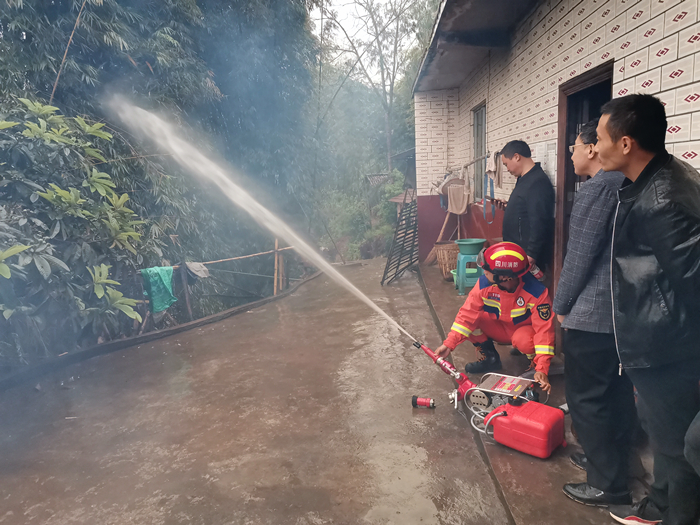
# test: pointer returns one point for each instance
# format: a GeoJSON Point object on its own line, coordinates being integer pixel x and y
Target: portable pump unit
{"type": "Point", "coordinates": [506, 408]}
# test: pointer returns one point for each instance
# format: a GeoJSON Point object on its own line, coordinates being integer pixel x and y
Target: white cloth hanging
{"type": "Point", "coordinates": [494, 168]}
{"type": "Point", "coordinates": [458, 199]}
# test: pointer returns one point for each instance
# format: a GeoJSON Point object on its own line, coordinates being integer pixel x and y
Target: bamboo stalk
{"type": "Point", "coordinates": [65, 54]}
{"type": "Point", "coordinates": [282, 272]}
{"type": "Point", "coordinates": [183, 274]}
{"type": "Point", "coordinates": [276, 274]}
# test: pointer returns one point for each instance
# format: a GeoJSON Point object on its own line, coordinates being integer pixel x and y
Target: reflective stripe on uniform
{"type": "Point", "coordinates": [544, 349]}
{"type": "Point", "coordinates": [516, 312]}
{"type": "Point", "coordinates": [466, 332]}
{"type": "Point", "coordinates": [492, 303]}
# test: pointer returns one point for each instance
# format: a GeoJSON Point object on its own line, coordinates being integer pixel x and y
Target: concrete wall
{"type": "Point", "coordinates": [655, 45]}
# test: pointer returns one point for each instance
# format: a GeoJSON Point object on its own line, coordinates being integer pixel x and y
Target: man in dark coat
{"type": "Point", "coordinates": [655, 273]}
{"type": "Point", "coordinates": [529, 217]}
{"type": "Point", "coordinates": [600, 399]}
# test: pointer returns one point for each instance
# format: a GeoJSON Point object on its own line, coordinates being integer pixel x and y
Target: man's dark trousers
{"type": "Point", "coordinates": [601, 402]}
{"type": "Point", "coordinates": [669, 399]}
{"type": "Point", "coordinates": [692, 444]}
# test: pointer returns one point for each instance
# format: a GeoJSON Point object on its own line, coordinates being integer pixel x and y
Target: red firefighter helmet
{"type": "Point", "coordinates": [504, 259]}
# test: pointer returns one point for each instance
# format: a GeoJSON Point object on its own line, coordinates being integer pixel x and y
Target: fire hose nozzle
{"type": "Point", "coordinates": [427, 402]}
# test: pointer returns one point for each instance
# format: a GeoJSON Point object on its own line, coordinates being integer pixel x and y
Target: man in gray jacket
{"type": "Point", "coordinates": [600, 399]}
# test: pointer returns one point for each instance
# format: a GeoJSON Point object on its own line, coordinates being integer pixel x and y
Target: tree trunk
{"type": "Point", "coordinates": [387, 118]}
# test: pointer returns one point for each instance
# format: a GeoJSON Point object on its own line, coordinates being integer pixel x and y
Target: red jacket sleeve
{"type": "Point", "coordinates": [543, 324]}
{"type": "Point", "coordinates": [465, 322]}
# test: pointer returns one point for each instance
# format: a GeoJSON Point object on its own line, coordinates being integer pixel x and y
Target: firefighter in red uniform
{"type": "Point", "coordinates": [507, 305]}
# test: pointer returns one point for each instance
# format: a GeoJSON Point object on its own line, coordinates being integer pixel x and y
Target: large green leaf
{"type": "Point", "coordinates": [43, 266]}
{"type": "Point", "coordinates": [57, 262]}
{"type": "Point", "coordinates": [18, 248]}
{"type": "Point", "coordinates": [129, 311]}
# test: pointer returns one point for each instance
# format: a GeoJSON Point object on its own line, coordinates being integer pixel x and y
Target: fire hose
{"type": "Point", "coordinates": [508, 405]}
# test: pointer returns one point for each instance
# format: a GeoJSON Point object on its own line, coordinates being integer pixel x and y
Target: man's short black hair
{"type": "Point", "coordinates": [640, 117]}
{"type": "Point", "coordinates": [516, 146]}
{"type": "Point", "coordinates": [588, 132]}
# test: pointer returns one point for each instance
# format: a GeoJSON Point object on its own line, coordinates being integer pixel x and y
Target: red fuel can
{"type": "Point", "coordinates": [532, 428]}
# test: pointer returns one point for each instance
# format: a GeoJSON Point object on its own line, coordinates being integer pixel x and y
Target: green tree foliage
{"type": "Point", "coordinates": [422, 16]}
{"type": "Point", "coordinates": [140, 47]}
{"type": "Point", "coordinates": [364, 115]}
{"type": "Point", "coordinates": [81, 193]}
{"type": "Point", "coordinates": [261, 54]}
{"type": "Point", "coordinates": [389, 34]}
{"type": "Point", "coordinates": [83, 204]}
{"type": "Point", "coordinates": [60, 215]}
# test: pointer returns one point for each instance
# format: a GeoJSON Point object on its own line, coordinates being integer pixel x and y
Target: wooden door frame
{"type": "Point", "coordinates": [590, 78]}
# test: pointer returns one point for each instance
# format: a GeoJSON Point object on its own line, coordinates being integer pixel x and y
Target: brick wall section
{"type": "Point", "coordinates": [655, 45]}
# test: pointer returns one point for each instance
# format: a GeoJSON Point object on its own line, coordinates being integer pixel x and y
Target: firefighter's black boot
{"type": "Point", "coordinates": [489, 360]}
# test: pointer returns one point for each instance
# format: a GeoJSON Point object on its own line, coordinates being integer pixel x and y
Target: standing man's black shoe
{"type": "Point", "coordinates": [642, 513]}
{"type": "Point", "coordinates": [584, 493]}
{"type": "Point", "coordinates": [579, 460]}
{"type": "Point", "coordinates": [489, 359]}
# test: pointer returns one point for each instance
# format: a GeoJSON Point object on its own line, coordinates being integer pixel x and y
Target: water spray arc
{"type": "Point", "coordinates": [542, 425]}
{"type": "Point", "coordinates": [147, 124]}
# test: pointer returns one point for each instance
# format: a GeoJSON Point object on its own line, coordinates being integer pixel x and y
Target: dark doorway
{"type": "Point", "coordinates": [580, 101]}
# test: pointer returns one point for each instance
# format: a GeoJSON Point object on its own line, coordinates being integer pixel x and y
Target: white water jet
{"type": "Point", "coordinates": [166, 135]}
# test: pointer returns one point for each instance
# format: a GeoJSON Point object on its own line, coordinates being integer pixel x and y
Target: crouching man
{"type": "Point", "coordinates": [508, 305]}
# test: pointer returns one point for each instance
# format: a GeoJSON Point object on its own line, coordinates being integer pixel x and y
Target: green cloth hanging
{"type": "Point", "coordinates": [158, 287]}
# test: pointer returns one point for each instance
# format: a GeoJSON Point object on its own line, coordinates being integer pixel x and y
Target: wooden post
{"type": "Point", "coordinates": [183, 274]}
{"type": "Point", "coordinates": [145, 320]}
{"type": "Point", "coordinates": [275, 278]}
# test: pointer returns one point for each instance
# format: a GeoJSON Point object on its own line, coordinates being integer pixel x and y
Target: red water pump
{"type": "Point", "coordinates": [505, 408]}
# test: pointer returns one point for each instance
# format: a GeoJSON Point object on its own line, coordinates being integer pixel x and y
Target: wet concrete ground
{"type": "Point", "coordinates": [297, 412]}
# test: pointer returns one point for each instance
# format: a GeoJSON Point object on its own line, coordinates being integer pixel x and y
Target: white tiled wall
{"type": "Point", "coordinates": [437, 116]}
{"type": "Point", "coordinates": [656, 48]}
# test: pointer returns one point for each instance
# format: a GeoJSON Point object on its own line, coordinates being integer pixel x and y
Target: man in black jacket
{"type": "Point", "coordinates": [655, 271]}
{"type": "Point", "coordinates": [529, 217]}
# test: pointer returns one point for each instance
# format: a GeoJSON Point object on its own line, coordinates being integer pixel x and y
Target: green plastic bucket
{"type": "Point", "coordinates": [470, 246]}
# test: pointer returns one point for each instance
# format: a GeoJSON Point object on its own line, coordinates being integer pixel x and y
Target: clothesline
{"type": "Point", "coordinates": [488, 154]}
{"type": "Point", "coordinates": [158, 281]}
{"type": "Point", "coordinates": [239, 258]}
{"type": "Point", "coordinates": [253, 274]}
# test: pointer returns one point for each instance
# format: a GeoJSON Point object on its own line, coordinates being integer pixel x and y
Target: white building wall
{"type": "Point", "coordinates": [655, 45]}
